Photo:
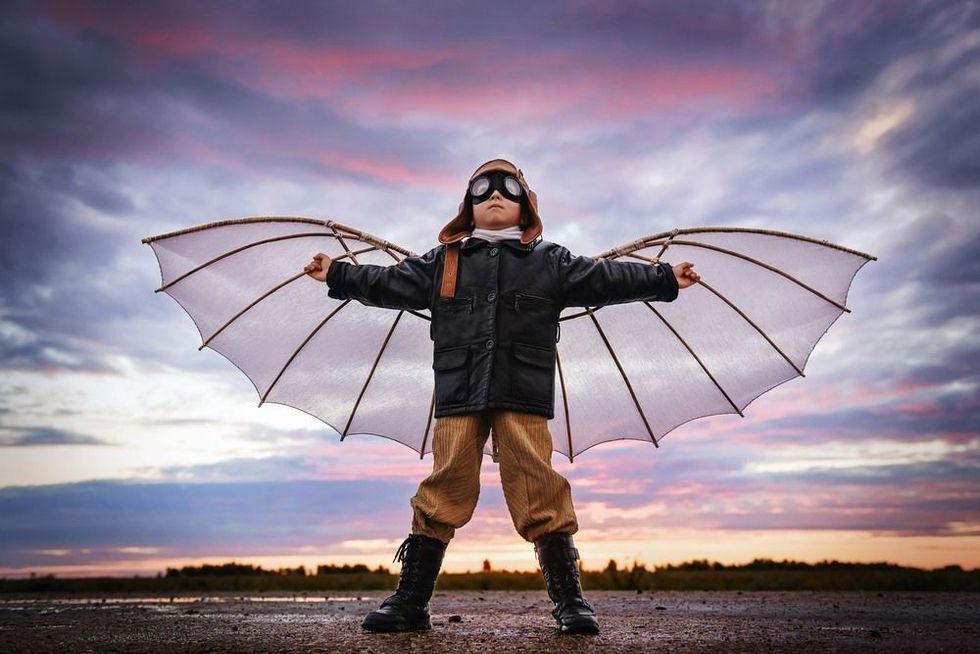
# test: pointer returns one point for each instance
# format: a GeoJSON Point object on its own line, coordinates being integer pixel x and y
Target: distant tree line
{"type": "Point", "coordinates": [230, 570]}
{"type": "Point", "coordinates": [356, 569]}
{"type": "Point", "coordinates": [246, 570]}
{"type": "Point", "coordinates": [768, 574]}
{"type": "Point", "coordinates": [699, 574]}
{"type": "Point", "coordinates": [242, 569]}
{"type": "Point", "coordinates": [785, 564]}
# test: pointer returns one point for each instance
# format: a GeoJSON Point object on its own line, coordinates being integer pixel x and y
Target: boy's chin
{"type": "Point", "coordinates": [491, 224]}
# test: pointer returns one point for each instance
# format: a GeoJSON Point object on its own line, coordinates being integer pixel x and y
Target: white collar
{"type": "Point", "coordinates": [495, 235]}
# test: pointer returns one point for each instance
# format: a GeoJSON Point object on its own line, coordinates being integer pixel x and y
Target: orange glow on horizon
{"type": "Point", "coordinates": [658, 549]}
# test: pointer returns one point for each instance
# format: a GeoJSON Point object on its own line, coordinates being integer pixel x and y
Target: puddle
{"type": "Point", "coordinates": [187, 600]}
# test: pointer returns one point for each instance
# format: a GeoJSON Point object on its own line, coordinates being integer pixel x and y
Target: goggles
{"type": "Point", "coordinates": [483, 187]}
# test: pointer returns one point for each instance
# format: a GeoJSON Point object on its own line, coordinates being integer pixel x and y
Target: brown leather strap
{"type": "Point", "coordinates": [449, 269]}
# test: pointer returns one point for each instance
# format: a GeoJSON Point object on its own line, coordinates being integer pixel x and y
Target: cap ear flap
{"type": "Point", "coordinates": [466, 210]}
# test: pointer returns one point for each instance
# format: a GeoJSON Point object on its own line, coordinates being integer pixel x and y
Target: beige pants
{"type": "Point", "coordinates": [539, 498]}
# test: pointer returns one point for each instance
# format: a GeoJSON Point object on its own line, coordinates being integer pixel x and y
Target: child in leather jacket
{"type": "Point", "coordinates": [495, 290]}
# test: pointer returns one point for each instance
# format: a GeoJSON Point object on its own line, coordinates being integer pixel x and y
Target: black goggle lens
{"type": "Point", "coordinates": [483, 187]}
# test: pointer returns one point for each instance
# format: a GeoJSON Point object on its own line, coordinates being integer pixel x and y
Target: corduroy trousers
{"type": "Point", "coordinates": [538, 497]}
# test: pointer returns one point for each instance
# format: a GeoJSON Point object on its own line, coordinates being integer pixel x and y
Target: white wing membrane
{"type": "Point", "coordinates": [765, 300]}
{"type": "Point", "coordinates": [628, 371]}
{"type": "Point", "coordinates": [241, 282]}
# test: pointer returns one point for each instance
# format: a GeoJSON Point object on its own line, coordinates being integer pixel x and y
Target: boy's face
{"type": "Point", "coordinates": [496, 196]}
{"type": "Point", "coordinates": [496, 212]}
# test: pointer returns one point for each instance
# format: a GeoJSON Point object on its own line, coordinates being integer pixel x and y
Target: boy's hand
{"type": "Point", "coordinates": [684, 272]}
{"type": "Point", "coordinates": [317, 269]}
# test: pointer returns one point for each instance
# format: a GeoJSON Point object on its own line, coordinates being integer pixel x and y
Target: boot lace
{"type": "Point", "coordinates": [420, 566]}
{"type": "Point", "coordinates": [411, 566]}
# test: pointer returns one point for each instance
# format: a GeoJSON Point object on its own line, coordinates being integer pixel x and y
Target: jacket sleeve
{"type": "Point", "coordinates": [405, 285]}
{"type": "Point", "coordinates": [588, 282]}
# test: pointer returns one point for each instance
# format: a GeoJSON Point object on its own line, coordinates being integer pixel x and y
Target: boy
{"type": "Point", "coordinates": [495, 290]}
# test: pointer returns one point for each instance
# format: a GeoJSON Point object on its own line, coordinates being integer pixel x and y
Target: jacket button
{"type": "Point", "coordinates": [493, 252]}
{"type": "Point", "coordinates": [490, 344]}
{"type": "Point", "coordinates": [491, 296]}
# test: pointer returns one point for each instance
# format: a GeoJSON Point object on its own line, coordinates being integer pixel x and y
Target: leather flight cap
{"type": "Point", "coordinates": [461, 225]}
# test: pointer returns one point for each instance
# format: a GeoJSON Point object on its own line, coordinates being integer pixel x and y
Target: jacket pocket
{"type": "Point", "coordinates": [531, 302]}
{"type": "Point", "coordinates": [454, 304]}
{"type": "Point", "coordinates": [452, 374]}
{"type": "Point", "coordinates": [532, 372]}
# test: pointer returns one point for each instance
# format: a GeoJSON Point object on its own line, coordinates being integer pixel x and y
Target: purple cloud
{"type": "Point", "coordinates": [852, 122]}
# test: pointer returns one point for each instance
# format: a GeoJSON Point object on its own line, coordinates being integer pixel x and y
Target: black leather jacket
{"type": "Point", "coordinates": [495, 340]}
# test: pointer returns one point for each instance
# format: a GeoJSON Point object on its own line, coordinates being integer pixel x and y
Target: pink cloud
{"type": "Point", "coordinates": [454, 80]}
{"type": "Point", "coordinates": [300, 64]}
{"type": "Point", "coordinates": [603, 90]}
{"type": "Point", "coordinates": [385, 170]}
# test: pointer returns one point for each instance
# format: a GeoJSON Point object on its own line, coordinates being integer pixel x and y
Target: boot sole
{"type": "Point", "coordinates": [384, 627]}
{"type": "Point", "coordinates": [579, 627]}
{"type": "Point", "coordinates": [579, 631]}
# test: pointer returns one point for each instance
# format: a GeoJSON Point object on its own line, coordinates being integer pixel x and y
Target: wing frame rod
{"type": "Point", "coordinates": [352, 231]}
{"type": "Point", "coordinates": [344, 245]}
{"type": "Point", "coordinates": [248, 306]}
{"type": "Point", "coordinates": [666, 244]}
{"type": "Point", "coordinates": [288, 281]}
{"type": "Point", "coordinates": [671, 241]}
{"type": "Point", "coordinates": [629, 386]}
{"type": "Point", "coordinates": [755, 326]}
{"type": "Point", "coordinates": [367, 381]}
{"type": "Point", "coordinates": [696, 358]}
{"type": "Point", "coordinates": [428, 425]}
{"type": "Point", "coordinates": [654, 239]}
{"type": "Point", "coordinates": [755, 261]}
{"type": "Point", "coordinates": [241, 248]}
{"type": "Point", "coordinates": [564, 402]}
{"type": "Point", "coordinates": [296, 352]}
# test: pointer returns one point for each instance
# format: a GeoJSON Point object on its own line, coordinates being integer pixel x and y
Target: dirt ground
{"type": "Point", "coordinates": [497, 621]}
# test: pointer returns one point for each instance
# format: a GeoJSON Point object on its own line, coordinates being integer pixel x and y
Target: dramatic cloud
{"type": "Point", "coordinates": [192, 519]}
{"type": "Point", "coordinates": [30, 436]}
{"type": "Point", "coordinates": [858, 123]}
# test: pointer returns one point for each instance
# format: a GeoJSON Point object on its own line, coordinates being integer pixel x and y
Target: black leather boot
{"type": "Point", "coordinates": [408, 608]}
{"type": "Point", "coordinates": [558, 559]}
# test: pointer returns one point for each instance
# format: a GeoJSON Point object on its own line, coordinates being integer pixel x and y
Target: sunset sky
{"type": "Point", "coordinates": [126, 450]}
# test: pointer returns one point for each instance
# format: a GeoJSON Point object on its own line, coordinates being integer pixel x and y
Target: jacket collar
{"type": "Point", "coordinates": [515, 244]}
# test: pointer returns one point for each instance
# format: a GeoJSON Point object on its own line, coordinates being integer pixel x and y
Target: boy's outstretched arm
{"type": "Point", "coordinates": [585, 281]}
{"type": "Point", "coordinates": [404, 285]}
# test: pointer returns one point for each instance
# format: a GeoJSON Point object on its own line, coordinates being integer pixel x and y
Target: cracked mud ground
{"type": "Point", "coordinates": [496, 621]}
